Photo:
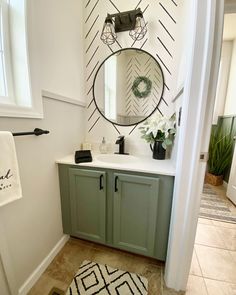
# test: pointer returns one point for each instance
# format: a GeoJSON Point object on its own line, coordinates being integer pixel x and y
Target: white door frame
{"type": "Point", "coordinates": [194, 135]}
{"type": "Point", "coordinates": [230, 7]}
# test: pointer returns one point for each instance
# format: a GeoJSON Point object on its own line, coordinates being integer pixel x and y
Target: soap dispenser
{"type": "Point", "coordinates": [103, 146]}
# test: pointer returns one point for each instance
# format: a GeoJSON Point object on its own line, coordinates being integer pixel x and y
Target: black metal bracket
{"type": "Point", "coordinates": [124, 21]}
{"type": "Point", "coordinates": [37, 132]}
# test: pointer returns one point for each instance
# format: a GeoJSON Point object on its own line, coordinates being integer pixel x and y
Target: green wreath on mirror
{"type": "Point", "coordinates": [146, 91]}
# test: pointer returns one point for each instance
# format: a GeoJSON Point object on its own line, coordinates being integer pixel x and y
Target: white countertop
{"type": "Point", "coordinates": [141, 164]}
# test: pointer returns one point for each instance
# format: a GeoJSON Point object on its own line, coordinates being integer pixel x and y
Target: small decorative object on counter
{"type": "Point", "coordinates": [83, 156]}
{"type": "Point", "coordinates": [86, 146]}
{"type": "Point", "coordinates": [103, 146]}
{"type": "Point", "coordinates": [159, 132]}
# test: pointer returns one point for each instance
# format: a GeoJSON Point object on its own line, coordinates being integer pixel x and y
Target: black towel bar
{"type": "Point", "coordinates": [37, 132]}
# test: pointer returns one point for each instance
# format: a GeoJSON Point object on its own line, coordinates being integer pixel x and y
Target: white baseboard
{"type": "Point", "coordinates": [32, 279]}
{"type": "Point", "coordinates": [225, 184]}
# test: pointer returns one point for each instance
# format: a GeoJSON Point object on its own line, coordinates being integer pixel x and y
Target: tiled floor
{"type": "Point", "coordinates": [213, 270]}
{"type": "Point", "coordinates": [61, 271]}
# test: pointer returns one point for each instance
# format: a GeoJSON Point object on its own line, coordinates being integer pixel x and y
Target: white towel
{"type": "Point", "coordinates": [10, 186]}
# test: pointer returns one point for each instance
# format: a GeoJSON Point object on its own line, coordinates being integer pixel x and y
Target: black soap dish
{"type": "Point", "coordinates": [83, 156]}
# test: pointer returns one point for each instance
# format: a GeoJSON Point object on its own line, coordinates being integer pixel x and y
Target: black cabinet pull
{"type": "Point", "coordinates": [101, 182]}
{"type": "Point", "coordinates": [116, 180]}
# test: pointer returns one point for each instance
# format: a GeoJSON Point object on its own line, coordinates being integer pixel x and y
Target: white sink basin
{"type": "Point", "coordinates": [116, 158]}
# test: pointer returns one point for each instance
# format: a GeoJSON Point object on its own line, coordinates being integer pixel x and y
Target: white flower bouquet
{"type": "Point", "coordinates": [159, 128]}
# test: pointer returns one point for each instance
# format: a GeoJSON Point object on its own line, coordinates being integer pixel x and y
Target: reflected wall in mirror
{"type": "Point", "coordinates": [128, 86]}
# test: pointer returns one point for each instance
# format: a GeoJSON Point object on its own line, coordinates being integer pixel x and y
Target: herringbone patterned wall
{"type": "Point", "coordinates": [142, 65]}
{"type": "Point", "coordinates": [162, 18]}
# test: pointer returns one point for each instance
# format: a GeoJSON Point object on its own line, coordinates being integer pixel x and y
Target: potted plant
{"type": "Point", "coordinates": [220, 156]}
{"type": "Point", "coordinates": [159, 132]}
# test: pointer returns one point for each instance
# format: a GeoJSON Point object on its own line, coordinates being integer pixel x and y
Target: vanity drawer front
{"type": "Point", "coordinates": [88, 204]}
{"type": "Point", "coordinates": [135, 213]}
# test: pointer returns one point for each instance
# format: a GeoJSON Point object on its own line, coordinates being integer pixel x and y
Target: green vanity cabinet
{"type": "Point", "coordinates": [135, 210]}
{"type": "Point", "coordinates": [121, 209]}
{"type": "Point", "coordinates": [88, 204]}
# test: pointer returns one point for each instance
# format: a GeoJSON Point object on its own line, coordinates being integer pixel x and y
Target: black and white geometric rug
{"type": "Point", "coordinates": [216, 207]}
{"type": "Point", "coordinates": [94, 278]}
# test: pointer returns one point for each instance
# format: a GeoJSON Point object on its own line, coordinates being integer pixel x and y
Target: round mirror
{"type": "Point", "coordinates": [128, 86]}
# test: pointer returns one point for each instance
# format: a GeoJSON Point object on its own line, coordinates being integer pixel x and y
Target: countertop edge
{"type": "Point", "coordinates": [169, 170]}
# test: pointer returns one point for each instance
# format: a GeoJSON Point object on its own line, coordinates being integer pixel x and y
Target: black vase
{"type": "Point", "coordinates": [158, 152]}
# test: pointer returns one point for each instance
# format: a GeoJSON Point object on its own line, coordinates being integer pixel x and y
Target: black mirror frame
{"type": "Point", "coordinates": [118, 52]}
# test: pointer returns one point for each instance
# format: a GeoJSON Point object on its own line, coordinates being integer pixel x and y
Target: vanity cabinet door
{"type": "Point", "coordinates": [135, 211]}
{"type": "Point", "coordinates": [88, 204]}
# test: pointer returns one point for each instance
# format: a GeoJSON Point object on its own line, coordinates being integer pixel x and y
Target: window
{"type": "Point", "coordinates": [20, 92]}
{"type": "Point", "coordinates": [6, 87]}
{"type": "Point", "coordinates": [110, 88]}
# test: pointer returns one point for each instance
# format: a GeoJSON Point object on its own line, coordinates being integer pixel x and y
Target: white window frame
{"type": "Point", "coordinates": [6, 56]}
{"type": "Point", "coordinates": [18, 105]}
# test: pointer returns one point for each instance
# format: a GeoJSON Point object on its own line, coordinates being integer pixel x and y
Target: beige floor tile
{"type": "Point", "coordinates": [45, 284]}
{"type": "Point", "coordinates": [224, 224]}
{"type": "Point", "coordinates": [204, 221]}
{"type": "Point", "coordinates": [63, 268]}
{"type": "Point", "coordinates": [216, 263]}
{"type": "Point", "coordinates": [196, 286]}
{"type": "Point", "coordinates": [229, 237]}
{"type": "Point", "coordinates": [220, 288]}
{"type": "Point", "coordinates": [68, 261]}
{"type": "Point", "coordinates": [207, 235]}
{"type": "Point", "coordinates": [233, 255]}
{"type": "Point", "coordinates": [195, 267]}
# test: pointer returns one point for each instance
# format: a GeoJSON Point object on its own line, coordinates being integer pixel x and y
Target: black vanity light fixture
{"type": "Point", "coordinates": [132, 21]}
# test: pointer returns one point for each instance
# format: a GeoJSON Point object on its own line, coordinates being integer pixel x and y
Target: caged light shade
{"type": "Point", "coordinates": [140, 28]}
{"type": "Point", "coordinates": [108, 35]}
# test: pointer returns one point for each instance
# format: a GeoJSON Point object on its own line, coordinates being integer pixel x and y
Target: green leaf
{"type": "Point", "coordinates": [168, 141]}
{"type": "Point", "coordinates": [220, 151]}
{"type": "Point", "coordinates": [164, 145]}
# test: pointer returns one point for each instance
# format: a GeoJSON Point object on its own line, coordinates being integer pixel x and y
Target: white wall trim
{"type": "Point", "coordinates": [14, 111]}
{"type": "Point", "coordinates": [225, 184]}
{"type": "Point", "coordinates": [32, 279]}
{"type": "Point", "coordinates": [51, 95]}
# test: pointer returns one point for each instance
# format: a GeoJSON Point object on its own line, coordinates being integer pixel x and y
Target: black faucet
{"type": "Point", "coordinates": [121, 142]}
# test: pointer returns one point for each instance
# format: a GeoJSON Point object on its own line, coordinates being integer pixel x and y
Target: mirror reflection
{"type": "Point", "coordinates": [128, 86]}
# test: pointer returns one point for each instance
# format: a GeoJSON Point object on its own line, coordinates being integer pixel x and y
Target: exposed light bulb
{"type": "Point", "coordinates": [139, 30]}
{"type": "Point", "coordinates": [108, 35]}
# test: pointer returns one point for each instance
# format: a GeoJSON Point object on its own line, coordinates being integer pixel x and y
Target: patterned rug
{"type": "Point", "coordinates": [213, 206]}
{"type": "Point", "coordinates": [94, 278]}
